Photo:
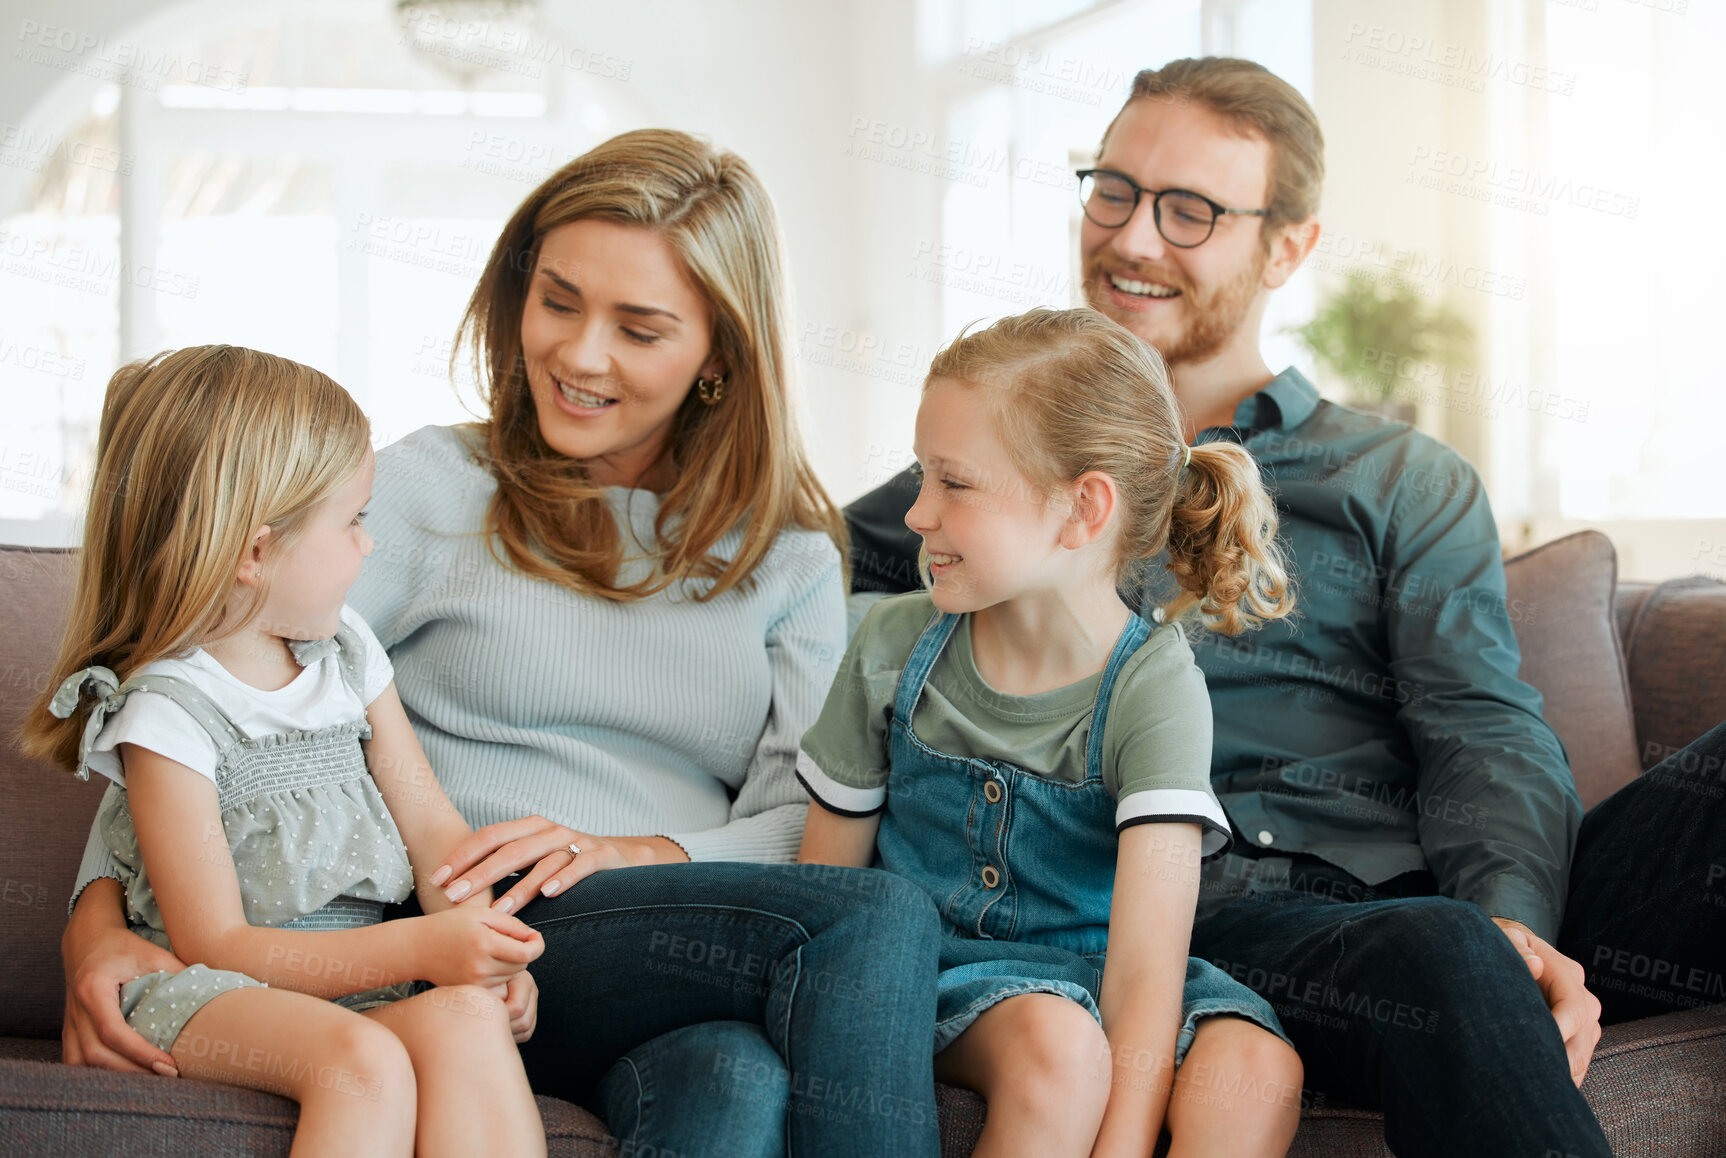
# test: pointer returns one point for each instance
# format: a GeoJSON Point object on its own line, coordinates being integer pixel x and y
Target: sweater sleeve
{"type": "Point", "coordinates": [803, 649]}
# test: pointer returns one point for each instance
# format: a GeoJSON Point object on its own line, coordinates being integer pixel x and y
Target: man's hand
{"type": "Point", "coordinates": [1563, 983]}
{"type": "Point", "coordinates": [94, 1033]}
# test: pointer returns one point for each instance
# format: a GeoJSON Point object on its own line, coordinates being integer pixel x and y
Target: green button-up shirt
{"type": "Point", "coordinates": [1384, 728]}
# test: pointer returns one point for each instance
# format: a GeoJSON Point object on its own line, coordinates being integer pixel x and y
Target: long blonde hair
{"type": "Point", "coordinates": [1072, 391]}
{"type": "Point", "coordinates": [197, 449]}
{"type": "Point", "coordinates": [741, 463]}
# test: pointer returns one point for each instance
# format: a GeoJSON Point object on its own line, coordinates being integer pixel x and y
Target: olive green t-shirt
{"type": "Point", "coordinates": [1156, 755]}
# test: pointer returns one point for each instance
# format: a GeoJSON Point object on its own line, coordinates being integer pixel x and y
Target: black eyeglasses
{"type": "Point", "coordinates": [1184, 218]}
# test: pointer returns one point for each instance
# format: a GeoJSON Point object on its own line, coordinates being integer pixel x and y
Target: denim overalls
{"type": "Point", "coordinates": [1020, 866]}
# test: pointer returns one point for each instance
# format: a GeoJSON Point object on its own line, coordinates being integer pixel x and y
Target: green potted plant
{"type": "Point", "coordinates": [1385, 344]}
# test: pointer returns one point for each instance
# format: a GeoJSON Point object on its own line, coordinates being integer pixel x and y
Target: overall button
{"type": "Point", "coordinates": [991, 878]}
{"type": "Point", "coordinates": [992, 790]}
{"type": "Point", "coordinates": [1265, 836]}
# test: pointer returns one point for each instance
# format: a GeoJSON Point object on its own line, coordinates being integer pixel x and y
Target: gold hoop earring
{"type": "Point", "coordinates": [710, 390]}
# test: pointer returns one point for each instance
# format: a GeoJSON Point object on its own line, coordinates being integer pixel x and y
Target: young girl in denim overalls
{"type": "Point", "coordinates": [1037, 757]}
{"type": "Point", "coordinates": [268, 796]}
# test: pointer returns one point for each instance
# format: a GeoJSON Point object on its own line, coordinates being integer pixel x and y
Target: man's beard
{"type": "Point", "coordinates": [1212, 319]}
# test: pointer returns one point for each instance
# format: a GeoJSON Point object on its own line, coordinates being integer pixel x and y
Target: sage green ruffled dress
{"type": "Point", "coordinates": [312, 842]}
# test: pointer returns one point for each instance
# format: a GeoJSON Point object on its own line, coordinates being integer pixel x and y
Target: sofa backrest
{"type": "Point", "coordinates": [47, 810]}
{"type": "Point", "coordinates": [1560, 598]}
{"type": "Point", "coordinates": [1675, 651]}
{"type": "Point", "coordinates": [1676, 644]}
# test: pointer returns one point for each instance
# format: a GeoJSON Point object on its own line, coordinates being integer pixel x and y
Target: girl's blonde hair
{"type": "Point", "coordinates": [198, 448]}
{"type": "Point", "coordinates": [1071, 391]}
{"type": "Point", "coordinates": [740, 463]}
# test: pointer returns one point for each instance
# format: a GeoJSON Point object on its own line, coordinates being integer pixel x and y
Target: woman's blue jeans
{"type": "Point", "coordinates": [822, 981]}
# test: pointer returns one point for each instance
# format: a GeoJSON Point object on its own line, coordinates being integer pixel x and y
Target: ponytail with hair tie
{"type": "Point", "coordinates": [1222, 542]}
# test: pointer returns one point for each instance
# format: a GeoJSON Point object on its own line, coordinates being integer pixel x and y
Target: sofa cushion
{"type": "Point", "coordinates": [1676, 654]}
{"type": "Point", "coordinates": [1657, 1085]}
{"type": "Point", "coordinates": [1561, 608]}
{"type": "Point", "coordinates": [50, 1109]}
{"type": "Point", "coordinates": [48, 810]}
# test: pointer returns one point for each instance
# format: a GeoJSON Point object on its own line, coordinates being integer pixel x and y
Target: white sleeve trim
{"type": "Point", "coordinates": [837, 797]}
{"type": "Point", "coordinates": [1177, 804]}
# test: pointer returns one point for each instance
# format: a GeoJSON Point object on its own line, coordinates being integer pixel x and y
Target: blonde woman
{"type": "Point", "coordinates": [268, 795]}
{"type": "Point", "coordinates": [613, 607]}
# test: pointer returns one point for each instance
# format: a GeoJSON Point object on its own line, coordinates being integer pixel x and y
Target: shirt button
{"type": "Point", "coordinates": [1265, 836]}
{"type": "Point", "coordinates": [992, 791]}
{"type": "Point", "coordinates": [991, 878]}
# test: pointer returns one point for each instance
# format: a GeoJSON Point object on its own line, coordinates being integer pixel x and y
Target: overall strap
{"type": "Point", "coordinates": [349, 650]}
{"type": "Point", "coordinates": [1138, 630]}
{"type": "Point", "coordinates": [189, 696]}
{"type": "Point", "coordinates": [911, 680]}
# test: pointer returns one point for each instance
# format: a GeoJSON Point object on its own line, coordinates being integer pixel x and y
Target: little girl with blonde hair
{"type": "Point", "coordinates": [1036, 756]}
{"type": "Point", "coordinates": [268, 796]}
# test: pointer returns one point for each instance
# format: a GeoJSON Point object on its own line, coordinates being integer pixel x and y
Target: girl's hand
{"type": "Point", "coordinates": [470, 945]}
{"type": "Point", "coordinates": [94, 1033]}
{"type": "Point", "coordinates": [539, 849]}
{"type": "Point", "coordinates": [520, 996]}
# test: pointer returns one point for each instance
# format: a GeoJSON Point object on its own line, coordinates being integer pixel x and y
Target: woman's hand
{"type": "Point", "coordinates": [94, 1033]}
{"type": "Point", "coordinates": [469, 945]}
{"type": "Point", "coordinates": [539, 850]}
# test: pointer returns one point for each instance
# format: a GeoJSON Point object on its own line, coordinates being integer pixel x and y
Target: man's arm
{"type": "Point", "coordinates": [1498, 807]}
{"type": "Point", "coordinates": [1498, 810]}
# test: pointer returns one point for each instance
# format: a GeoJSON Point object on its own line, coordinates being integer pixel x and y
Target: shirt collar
{"type": "Point", "coordinates": [1286, 401]}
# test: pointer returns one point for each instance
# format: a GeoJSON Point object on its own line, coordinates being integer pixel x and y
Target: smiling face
{"type": "Point", "coordinates": [613, 335]}
{"type": "Point", "coordinates": [990, 533]}
{"type": "Point", "coordinates": [1190, 304]}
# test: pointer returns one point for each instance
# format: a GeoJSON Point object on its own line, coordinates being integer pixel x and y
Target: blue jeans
{"type": "Point", "coordinates": [1420, 1007]}
{"type": "Point", "coordinates": [1647, 911]}
{"type": "Point", "coordinates": [1415, 1005]}
{"type": "Point", "coordinates": [714, 1090]}
{"type": "Point", "coordinates": [836, 968]}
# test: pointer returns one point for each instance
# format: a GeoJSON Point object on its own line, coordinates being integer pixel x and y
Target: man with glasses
{"type": "Point", "coordinates": [1405, 821]}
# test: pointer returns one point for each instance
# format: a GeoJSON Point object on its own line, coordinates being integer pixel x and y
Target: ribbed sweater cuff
{"type": "Point", "coordinates": [775, 843]}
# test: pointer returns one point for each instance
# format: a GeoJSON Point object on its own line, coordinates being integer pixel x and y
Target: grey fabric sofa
{"type": "Point", "coordinates": [1629, 673]}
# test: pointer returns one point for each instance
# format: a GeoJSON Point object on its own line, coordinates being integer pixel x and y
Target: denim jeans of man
{"type": "Point", "coordinates": [1419, 1006]}
{"type": "Point", "coordinates": [822, 980]}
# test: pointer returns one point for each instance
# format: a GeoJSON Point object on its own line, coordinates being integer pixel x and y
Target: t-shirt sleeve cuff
{"type": "Point", "coordinates": [1176, 806]}
{"type": "Point", "coordinates": [836, 797]}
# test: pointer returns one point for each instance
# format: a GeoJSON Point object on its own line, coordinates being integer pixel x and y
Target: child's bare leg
{"type": "Point", "coordinates": [473, 1092]}
{"type": "Point", "coordinates": [1042, 1063]}
{"type": "Point", "coordinates": [351, 1078]}
{"type": "Point", "coordinates": [1237, 1093]}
